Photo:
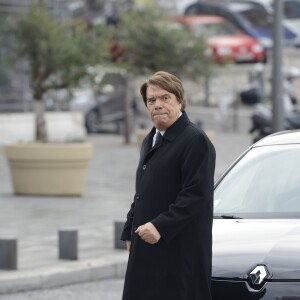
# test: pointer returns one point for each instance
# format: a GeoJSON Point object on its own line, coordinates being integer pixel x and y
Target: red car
{"type": "Point", "coordinates": [227, 43]}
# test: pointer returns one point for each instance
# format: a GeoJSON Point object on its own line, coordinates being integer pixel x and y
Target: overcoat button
{"type": "Point", "coordinates": [144, 167]}
{"type": "Point", "coordinates": [137, 197]}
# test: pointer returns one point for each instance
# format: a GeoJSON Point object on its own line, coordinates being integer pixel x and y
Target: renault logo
{"type": "Point", "coordinates": [259, 274]}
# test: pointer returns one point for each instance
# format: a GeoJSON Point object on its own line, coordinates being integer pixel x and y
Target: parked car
{"type": "Point", "coordinates": [260, 14]}
{"type": "Point", "coordinates": [248, 17]}
{"type": "Point", "coordinates": [227, 43]}
{"type": "Point", "coordinates": [223, 10]}
{"type": "Point", "coordinates": [256, 231]}
{"type": "Point", "coordinates": [103, 105]}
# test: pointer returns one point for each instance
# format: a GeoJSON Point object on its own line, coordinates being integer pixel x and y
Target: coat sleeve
{"type": "Point", "coordinates": [126, 234]}
{"type": "Point", "coordinates": [195, 199]}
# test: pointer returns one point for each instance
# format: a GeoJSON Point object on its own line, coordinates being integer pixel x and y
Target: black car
{"type": "Point", "coordinates": [256, 230]}
{"type": "Point", "coordinates": [104, 104]}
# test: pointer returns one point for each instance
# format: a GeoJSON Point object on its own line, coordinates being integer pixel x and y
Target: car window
{"type": "Point", "coordinates": [264, 182]}
{"type": "Point", "coordinates": [112, 78]}
{"type": "Point", "coordinates": [257, 17]}
{"type": "Point", "coordinates": [226, 14]}
{"type": "Point", "coordinates": [292, 9]}
{"type": "Point", "coordinates": [202, 9]}
{"type": "Point", "coordinates": [196, 9]}
{"type": "Point", "coordinates": [214, 29]}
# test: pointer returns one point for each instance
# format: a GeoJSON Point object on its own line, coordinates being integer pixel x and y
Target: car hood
{"type": "Point", "coordinates": [236, 40]}
{"type": "Point", "coordinates": [240, 245]}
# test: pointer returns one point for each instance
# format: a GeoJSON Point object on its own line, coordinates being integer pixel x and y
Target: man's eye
{"type": "Point", "coordinates": [150, 101]}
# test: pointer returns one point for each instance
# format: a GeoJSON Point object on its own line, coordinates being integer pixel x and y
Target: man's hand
{"type": "Point", "coordinates": [148, 233]}
{"type": "Point", "coordinates": [128, 245]}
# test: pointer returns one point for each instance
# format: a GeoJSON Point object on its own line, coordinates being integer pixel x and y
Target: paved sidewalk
{"type": "Point", "coordinates": [35, 221]}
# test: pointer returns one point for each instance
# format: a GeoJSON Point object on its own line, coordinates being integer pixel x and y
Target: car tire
{"type": "Point", "coordinates": [92, 121]}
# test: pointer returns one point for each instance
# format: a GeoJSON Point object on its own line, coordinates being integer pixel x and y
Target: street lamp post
{"type": "Point", "coordinates": [277, 78]}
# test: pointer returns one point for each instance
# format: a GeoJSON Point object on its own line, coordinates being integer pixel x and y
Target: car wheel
{"type": "Point", "coordinates": [92, 121]}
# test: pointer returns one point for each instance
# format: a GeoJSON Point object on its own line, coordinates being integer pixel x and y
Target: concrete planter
{"type": "Point", "coordinates": [50, 169]}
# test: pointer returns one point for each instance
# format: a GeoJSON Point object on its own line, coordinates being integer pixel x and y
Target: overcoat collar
{"type": "Point", "coordinates": [175, 129]}
{"type": "Point", "coordinates": [172, 132]}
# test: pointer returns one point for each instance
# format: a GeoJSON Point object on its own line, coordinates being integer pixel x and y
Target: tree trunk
{"type": "Point", "coordinates": [127, 106]}
{"type": "Point", "coordinates": [207, 91]}
{"type": "Point", "coordinates": [40, 123]}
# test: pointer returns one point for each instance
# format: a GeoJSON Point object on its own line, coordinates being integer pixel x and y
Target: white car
{"type": "Point", "coordinates": [256, 231]}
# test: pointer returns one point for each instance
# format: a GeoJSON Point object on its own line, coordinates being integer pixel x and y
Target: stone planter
{"type": "Point", "coordinates": [50, 169]}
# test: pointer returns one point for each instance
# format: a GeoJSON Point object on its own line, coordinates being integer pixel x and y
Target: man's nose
{"type": "Point", "coordinates": [158, 103]}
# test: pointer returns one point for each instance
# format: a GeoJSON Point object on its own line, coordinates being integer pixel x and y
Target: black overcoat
{"type": "Point", "coordinates": [174, 191]}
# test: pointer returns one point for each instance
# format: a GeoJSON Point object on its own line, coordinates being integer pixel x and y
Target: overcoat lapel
{"type": "Point", "coordinates": [171, 133]}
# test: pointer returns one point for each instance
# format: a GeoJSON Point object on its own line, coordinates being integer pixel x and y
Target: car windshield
{"type": "Point", "coordinates": [265, 183]}
{"type": "Point", "coordinates": [256, 17]}
{"type": "Point", "coordinates": [214, 29]}
{"type": "Point", "coordinates": [292, 9]}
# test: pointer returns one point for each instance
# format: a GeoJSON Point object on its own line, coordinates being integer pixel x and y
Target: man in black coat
{"type": "Point", "coordinates": [169, 225]}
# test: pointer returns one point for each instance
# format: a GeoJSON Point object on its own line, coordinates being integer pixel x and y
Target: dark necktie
{"type": "Point", "coordinates": [158, 138]}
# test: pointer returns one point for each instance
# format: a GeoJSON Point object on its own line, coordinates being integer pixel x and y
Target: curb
{"type": "Point", "coordinates": [67, 273]}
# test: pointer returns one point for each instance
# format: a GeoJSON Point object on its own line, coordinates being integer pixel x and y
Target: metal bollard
{"type": "Point", "coordinates": [118, 230]}
{"type": "Point", "coordinates": [68, 244]}
{"type": "Point", "coordinates": [8, 254]}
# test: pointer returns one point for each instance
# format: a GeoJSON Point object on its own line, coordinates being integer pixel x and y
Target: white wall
{"type": "Point", "coordinates": [61, 126]}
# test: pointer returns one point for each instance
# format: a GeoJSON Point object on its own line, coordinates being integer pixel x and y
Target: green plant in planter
{"type": "Point", "coordinates": [58, 54]}
{"type": "Point", "coordinates": [153, 42]}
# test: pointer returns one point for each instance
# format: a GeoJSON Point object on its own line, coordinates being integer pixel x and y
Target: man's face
{"type": "Point", "coordinates": [163, 107]}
